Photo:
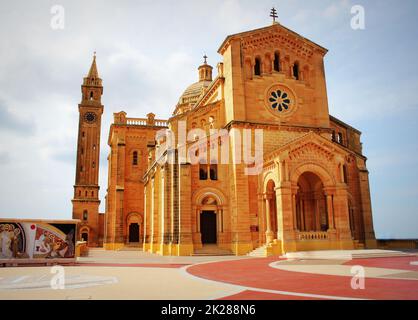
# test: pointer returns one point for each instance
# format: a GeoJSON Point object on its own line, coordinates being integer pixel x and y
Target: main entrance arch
{"type": "Point", "coordinates": [311, 206]}
{"type": "Point", "coordinates": [208, 225]}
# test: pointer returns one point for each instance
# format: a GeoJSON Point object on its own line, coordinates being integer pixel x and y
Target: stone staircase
{"type": "Point", "coordinates": [211, 250]}
{"type": "Point", "coordinates": [345, 254]}
{"type": "Point", "coordinates": [260, 252]}
{"type": "Point", "coordinates": [135, 246]}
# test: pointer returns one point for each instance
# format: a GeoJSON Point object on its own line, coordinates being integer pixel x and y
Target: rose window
{"type": "Point", "coordinates": [279, 100]}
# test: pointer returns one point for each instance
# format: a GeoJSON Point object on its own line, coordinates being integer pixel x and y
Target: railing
{"type": "Point", "coordinates": [136, 121]}
{"type": "Point", "coordinates": [146, 122]}
{"type": "Point", "coordinates": [312, 235]}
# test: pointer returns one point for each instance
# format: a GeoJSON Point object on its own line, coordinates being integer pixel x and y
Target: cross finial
{"type": "Point", "coordinates": [94, 54]}
{"type": "Point", "coordinates": [205, 57]}
{"type": "Point", "coordinates": [273, 14]}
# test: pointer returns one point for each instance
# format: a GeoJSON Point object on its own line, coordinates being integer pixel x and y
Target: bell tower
{"type": "Point", "coordinates": [86, 189]}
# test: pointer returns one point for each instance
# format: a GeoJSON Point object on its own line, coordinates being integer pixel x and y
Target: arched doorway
{"type": "Point", "coordinates": [134, 232]}
{"type": "Point", "coordinates": [134, 228]}
{"type": "Point", "coordinates": [208, 220]}
{"type": "Point", "coordinates": [311, 206]}
{"type": "Point", "coordinates": [208, 227]}
{"type": "Point", "coordinates": [84, 234]}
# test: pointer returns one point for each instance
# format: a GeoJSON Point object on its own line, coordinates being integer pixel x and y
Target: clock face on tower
{"type": "Point", "coordinates": [90, 117]}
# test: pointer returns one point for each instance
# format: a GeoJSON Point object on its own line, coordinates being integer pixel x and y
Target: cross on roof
{"type": "Point", "coordinates": [273, 14]}
{"type": "Point", "coordinates": [205, 57]}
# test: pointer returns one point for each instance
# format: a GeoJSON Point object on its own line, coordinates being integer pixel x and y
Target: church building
{"type": "Point", "coordinates": [170, 191]}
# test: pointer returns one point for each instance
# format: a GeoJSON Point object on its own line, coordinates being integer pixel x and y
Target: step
{"type": "Point", "coordinates": [345, 254]}
{"type": "Point", "coordinates": [211, 250]}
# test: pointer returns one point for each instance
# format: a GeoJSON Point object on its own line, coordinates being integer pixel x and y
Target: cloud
{"type": "Point", "coordinates": [12, 122]}
{"type": "Point", "coordinates": [4, 158]}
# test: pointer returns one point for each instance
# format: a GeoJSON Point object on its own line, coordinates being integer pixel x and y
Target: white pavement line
{"type": "Point", "coordinates": [243, 288]}
{"type": "Point", "coordinates": [19, 279]}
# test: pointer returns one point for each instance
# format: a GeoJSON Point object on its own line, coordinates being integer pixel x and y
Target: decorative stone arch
{"type": "Point", "coordinates": [327, 178]}
{"type": "Point", "coordinates": [132, 219]}
{"type": "Point", "coordinates": [269, 175]}
{"type": "Point", "coordinates": [209, 200]}
{"type": "Point", "coordinates": [202, 193]}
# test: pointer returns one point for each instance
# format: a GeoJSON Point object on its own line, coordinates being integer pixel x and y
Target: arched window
{"type": "Point", "coordinates": [214, 172]}
{"type": "Point", "coordinates": [276, 62]}
{"type": "Point", "coordinates": [92, 193]}
{"type": "Point", "coordinates": [257, 67]}
{"type": "Point", "coordinates": [79, 193]}
{"type": "Point", "coordinates": [81, 168]}
{"type": "Point", "coordinates": [94, 164]}
{"type": "Point", "coordinates": [85, 215]}
{"type": "Point", "coordinates": [203, 172]}
{"type": "Point", "coordinates": [135, 158]}
{"type": "Point", "coordinates": [86, 193]}
{"type": "Point", "coordinates": [91, 95]}
{"type": "Point", "coordinates": [296, 70]}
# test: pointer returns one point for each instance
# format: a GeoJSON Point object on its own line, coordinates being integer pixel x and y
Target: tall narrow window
{"type": "Point", "coordinates": [85, 215]}
{"type": "Point", "coordinates": [296, 70]}
{"type": "Point", "coordinates": [276, 62]}
{"type": "Point", "coordinates": [345, 177]}
{"type": "Point", "coordinates": [257, 67]}
{"type": "Point", "coordinates": [91, 95]}
{"type": "Point", "coordinates": [203, 172]}
{"type": "Point", "coordinates": [213, 172]}
{"type": "Point", "coordinates": [135, 158]}
{"type": "Point", "coordinates": [340, 138]}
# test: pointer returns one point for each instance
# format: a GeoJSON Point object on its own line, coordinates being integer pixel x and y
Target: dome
{"type": "Point", "coordinates": [193, 92]}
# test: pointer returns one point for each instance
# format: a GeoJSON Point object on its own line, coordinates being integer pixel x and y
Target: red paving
{"type": "Point", "coordinates": [401, 263]}
{"type": "Point", "coordinates": [256, 273]}
{"type": "Point", "coordinates": [256, 295]}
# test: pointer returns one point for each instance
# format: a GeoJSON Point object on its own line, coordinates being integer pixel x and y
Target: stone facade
{"type": "Point", "coordinates": [310, 190]}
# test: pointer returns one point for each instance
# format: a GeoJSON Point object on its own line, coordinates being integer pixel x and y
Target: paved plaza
{"type": "Point", "coordinates": [140, 275]}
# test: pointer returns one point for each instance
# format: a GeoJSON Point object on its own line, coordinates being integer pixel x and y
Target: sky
{"type": "Point", "coordinates": [148, 53]}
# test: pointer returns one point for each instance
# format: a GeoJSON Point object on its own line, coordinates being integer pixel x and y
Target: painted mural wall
{"type": "Point", "coordinates": [20, 239]}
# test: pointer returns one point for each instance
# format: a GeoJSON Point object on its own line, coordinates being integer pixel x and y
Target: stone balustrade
{"type": "Point", "coordinates": [313, 235]}
{"type": "Point", "coordinates": [146, 122]}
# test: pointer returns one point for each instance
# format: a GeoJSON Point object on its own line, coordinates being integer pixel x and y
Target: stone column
{"type": "Point", "coordinates": [198, 219]}
{"type": "Point", "coordinates": [269, 232]}
{"type": "Point", "coordinates": [294, 211]}
{"type": "Point", "coordinates": [330, 210]}
{"type": "Point", "coordinates": [317, 215]}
